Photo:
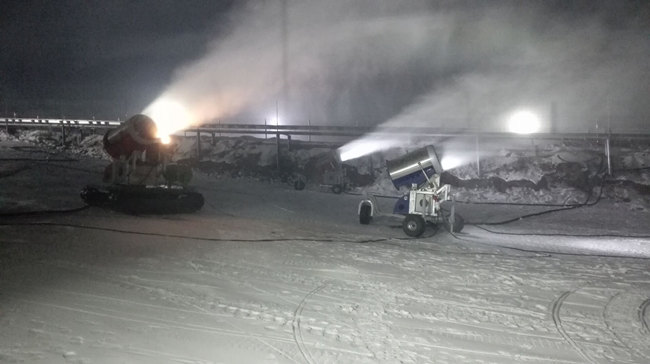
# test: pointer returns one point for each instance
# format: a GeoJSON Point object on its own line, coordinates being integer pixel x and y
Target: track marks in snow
{"type": "Point", "coordinates": [643, 316]}
{"type": "Point", "coordinates": [276, 321]}
{"type": "Point", "coordinates": [477, 315]}
{"type": "Point", "coordinates": [297, 330]}
{"type": "Point", "coordinates": [589, 312]}
{"type": "Point", "coordinates": [161, 321]}
{"type": "Point", "coordinates": [555, 313]}
{"type": "Point", "coordinates": [618, 315]}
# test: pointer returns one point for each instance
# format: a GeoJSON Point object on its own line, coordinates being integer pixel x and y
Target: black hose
{"type": "Point", "coordinates": [631, 169]}
{"type": "Point", "coordinates": [38, 160]}
{"type": "Point", "coordinates": [586, 203]}
{"type": "Point", "coordinates": [41, 212]}
{"type": "Point", "coordinates": [133, 232]}
{"type": "Point", "coordinates": [565, 207]}
{"type": "Point", "coordinates": [5, 174]}
{"type": "Point", "coordinates": [565, 234]}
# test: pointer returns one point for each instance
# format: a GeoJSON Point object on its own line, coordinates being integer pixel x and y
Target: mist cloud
{"type": "Point", "coordinates": [420, 63]}
{"type": "Point", "coordinates": [587, 74]}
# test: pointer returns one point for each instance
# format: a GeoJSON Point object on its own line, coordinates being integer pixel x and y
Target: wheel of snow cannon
{"type": "Point", "coordinates": [93, 196]}
{"type": "Point", "coordinates": [365, 215]}
{"type": "Point", "coordinates": [413, 225]}
{"type": "Point", "coordinates": [337, 189]}
{"type": "Point", "coordinates": [458, 225]}
{"type": "Point", "coordinates": [299, 185]}
{"type": "Point", "coordinates": [156, 201]}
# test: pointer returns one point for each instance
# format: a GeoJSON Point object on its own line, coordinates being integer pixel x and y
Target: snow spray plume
{"type": "Point", "coordinates": [342, 59]}
{"type": "Point", "coordinates": [579, 73]}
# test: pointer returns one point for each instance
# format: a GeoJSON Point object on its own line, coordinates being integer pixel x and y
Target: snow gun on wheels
{"type": "Point", "coordinates": [141, 179]}
{"type": "Point", "coordinates": [419, 171]}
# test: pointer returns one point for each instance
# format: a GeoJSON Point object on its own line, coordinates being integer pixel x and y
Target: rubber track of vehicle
{"type": "Point", "coordinates": [557, 305]}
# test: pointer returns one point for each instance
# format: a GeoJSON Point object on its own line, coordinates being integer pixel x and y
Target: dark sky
{"type": "Point", "coordinates": [111, 58]}
{"type": "Point", "coordinates": [106, 57]}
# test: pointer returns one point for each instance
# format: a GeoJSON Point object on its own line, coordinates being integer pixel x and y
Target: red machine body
{"type": "Point", "coordinates": [142, 178]}
{"type": "Point", "coordinates": [138, 133]}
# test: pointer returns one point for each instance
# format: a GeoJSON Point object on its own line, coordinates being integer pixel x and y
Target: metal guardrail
{"type": "Point", "coordinates": [320, 130]}
{"type": "Point", "coordinates": [336, 131]}
{"type": "Point", "coordinates": [420, 131]}
{"type": "Point", "coordinates": [58, 122]}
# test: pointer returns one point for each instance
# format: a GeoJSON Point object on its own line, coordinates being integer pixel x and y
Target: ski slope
{"type": "Point", "coordinates": [267, 274]}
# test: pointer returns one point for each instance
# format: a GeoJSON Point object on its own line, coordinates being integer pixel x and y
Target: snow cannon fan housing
{"type": "Point", "coordinates": [138, 133]}
{"type": "Point", "coordinates": [407, 170]}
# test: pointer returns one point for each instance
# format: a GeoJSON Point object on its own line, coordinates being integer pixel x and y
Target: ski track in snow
{"type": "Point", "coordinates": [557, 305]}
{"type": "Point", "coordinates": [297, 330]}
{"type": "Point", "coordinates": [643, 317]}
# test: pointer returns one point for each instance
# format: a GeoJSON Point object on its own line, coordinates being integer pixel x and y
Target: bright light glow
{"type": "Point", "coordinates": [165, 139]}
{"type": "Point", "coordinates": [451, 161]}
{"type": "Point", "coordinates": [420, 163]}
{"type": "Point", "coordinates": [524, 122]}
{"type": "Point", "coordinates": [351, 154]}
{"type": "Point", "coordinates": [360, 147]}
{"type": "Point", "coordinates": [273, 120]}
{"type": "Point", "coordinates": [169, 116]}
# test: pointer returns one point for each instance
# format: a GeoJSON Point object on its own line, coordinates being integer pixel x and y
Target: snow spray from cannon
{"type": "Point", "coordinates": [298, 55]}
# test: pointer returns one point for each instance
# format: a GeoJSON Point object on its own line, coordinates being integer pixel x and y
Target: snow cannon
{"type": "Point", "coordinates": [418, 171]}
{"type": "Point", "coordinates": [142, 178]}
{"type": "Point", "coordinates": [414, 168]}
{"type": "Point", "coordinates": [138, 134]}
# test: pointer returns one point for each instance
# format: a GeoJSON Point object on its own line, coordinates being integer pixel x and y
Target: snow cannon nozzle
{"type": "Point", "coordinates": [414, 168]}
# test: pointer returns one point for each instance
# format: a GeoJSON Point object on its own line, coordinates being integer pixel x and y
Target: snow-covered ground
{"type": "Point", "coordinates": [267, 274]}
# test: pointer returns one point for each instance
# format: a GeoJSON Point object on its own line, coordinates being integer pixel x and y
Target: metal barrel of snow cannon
{"type": "Point", "coordinates": [407, 170]}
{"type": "Point", "coordinates": [138, 133]}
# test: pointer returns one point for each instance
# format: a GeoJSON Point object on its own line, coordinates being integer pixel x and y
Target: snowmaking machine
{"type": "Point", "coordinates": [419, 171]}
{"type": "Point", "coordinates": [141, 179]}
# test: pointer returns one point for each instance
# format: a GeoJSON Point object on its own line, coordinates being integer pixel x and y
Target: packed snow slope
{"type": "Point", "coordinates": [268, 274]}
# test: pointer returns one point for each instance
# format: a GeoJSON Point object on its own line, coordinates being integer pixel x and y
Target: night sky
{"type": "Point", "coordinates": [87, 57]}
{"type": "Point", "coordinates": [110, 59]}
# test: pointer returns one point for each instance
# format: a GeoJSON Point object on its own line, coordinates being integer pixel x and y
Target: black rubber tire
{"type": "Point", "coordinates": [337, 189]}
{"type": "Point", "coordinates": [413, 225]}
{"type": "Point", "coordinates": [299, 185]}
{"type": "Point", "coordinates": [364, 215]}
{"type": "Point", "coordinates": [93, 196]}
{"type": "Point", "coordinates": [155, 201]}
{"type": "Point", "coordinates": [459, 224]}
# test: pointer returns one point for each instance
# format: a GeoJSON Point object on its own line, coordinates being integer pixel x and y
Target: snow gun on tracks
{"type": "Point", "coordinates": [419, 171]}
{"type": "Point", "coordinates": [141, 179]}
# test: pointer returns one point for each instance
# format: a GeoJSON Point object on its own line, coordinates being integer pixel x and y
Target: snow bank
{"type": "Point", "coordinates": [4, 136]}
{"type": "Point", "coordinates": [570, 172]}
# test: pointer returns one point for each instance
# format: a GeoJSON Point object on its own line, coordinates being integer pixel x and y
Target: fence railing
{"type": "Point", "coordinates": [325, 131]}
{"type": "Point", "coordinates": [26, 122]}
{"type": "Point", "coordinates": [315, 130]}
